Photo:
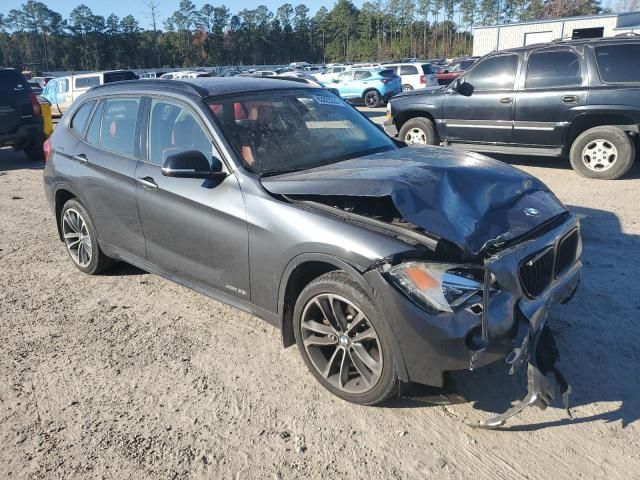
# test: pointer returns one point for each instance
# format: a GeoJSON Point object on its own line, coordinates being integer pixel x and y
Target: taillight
{"type": "Point", "coordinates": [385, 81]}
{"type": "Point", "coordinates": [422, 79]}
{"type": "Point", "coordinates": [37, 111]}
{"type": "Point", "coordinates": [47, 149]}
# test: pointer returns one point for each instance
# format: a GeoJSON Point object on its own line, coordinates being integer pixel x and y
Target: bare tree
{"type": "Point", "coordinates": [152, 13]}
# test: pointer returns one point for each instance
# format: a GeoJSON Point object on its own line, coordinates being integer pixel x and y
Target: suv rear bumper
{"type": "Point", "coordinates": [24, 135]}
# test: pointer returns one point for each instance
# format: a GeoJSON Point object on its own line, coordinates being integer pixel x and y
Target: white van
{"type": "Point", "coordinates": [331, 73]}
{"type": "Point", "coordinates": [61, 92]}
{"type": "Point", "coordinates": [415, 75]}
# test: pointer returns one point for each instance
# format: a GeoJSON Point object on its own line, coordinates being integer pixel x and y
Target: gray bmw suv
{"type": "Point", "coordinates": [388, 266]}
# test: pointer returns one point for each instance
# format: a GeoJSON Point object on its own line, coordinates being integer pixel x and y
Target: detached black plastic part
{"type": "Point", "coordinates": [541, 392]}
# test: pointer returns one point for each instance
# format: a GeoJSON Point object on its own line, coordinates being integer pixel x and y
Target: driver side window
{"type": "Point", "coordinates": [494, 73]}
{"type": "Point", "coordinates": [174, 129]}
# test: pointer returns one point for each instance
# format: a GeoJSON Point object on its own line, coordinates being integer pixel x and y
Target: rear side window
{"type": "Point", "coordinates": [618, 63]}
{"type": "Point", "coordinates": [428, 69]}
{"type": "Point", "coordinates": [361, 75]}
{"type": "Point", "coordinates": [87, 82]}
{"type": "Point", "coordinates": [553, 69]}
{"type": "Point", "coordinates": [11, 81]}
{"type": "Point", "coordinates": [81, 118]}
{"type": "Point", "coordinates": [118, 129]}
{"type": "Point", "coordinates": [408, 70]}
{"type": "Point", "coordinates": [494, 73]}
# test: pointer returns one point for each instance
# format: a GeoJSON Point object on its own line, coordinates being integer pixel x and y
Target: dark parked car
{"type": "Point", "coordinates": [448, 73]}
{"type": "Point", "coordinates": [21, 123]}
{"type": "Point", "coordinates": [386, 265]}
{"type": "Point", "coordinates": [578, 98]}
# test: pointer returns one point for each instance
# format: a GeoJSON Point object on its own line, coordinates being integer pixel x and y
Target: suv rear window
{"type": "Point", "coordinates": [11, 81]}
{"type": "Point", "coordinates": [617, 63]}
{"type": "Point", "coordinates": [387, 73]}
{"type": "Point", "coordinates": [119, 76]}
{"type": "Point", "coordinates": [428, 69]}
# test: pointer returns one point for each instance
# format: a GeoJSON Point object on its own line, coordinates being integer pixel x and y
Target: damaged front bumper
{"type": "Point", "coordinates": [511, 325]}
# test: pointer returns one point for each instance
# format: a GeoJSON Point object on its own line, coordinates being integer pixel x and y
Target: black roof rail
{"type": "Point", "coordinates": [156, 82]}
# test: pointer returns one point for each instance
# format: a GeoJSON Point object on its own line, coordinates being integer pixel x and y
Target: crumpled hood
{"type": "Point", "coordinates": [466, 198]}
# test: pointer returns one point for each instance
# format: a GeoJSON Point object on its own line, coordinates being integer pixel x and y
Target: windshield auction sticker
{"type": "Point", "coordinates": [327, 100]}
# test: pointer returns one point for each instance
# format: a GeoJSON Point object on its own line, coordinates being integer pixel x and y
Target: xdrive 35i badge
{"type": "Point", "coordinates": [531, 212]}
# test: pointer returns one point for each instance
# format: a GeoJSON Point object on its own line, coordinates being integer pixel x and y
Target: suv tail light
{"type": "Point", "coordinates": [385, 81]}
{"type": "Point", "coordinates": [37, 111]}
{"type": "Point", "coordinates": [47, 149]}
{"type": "Point", "coordinates": [422, 79]}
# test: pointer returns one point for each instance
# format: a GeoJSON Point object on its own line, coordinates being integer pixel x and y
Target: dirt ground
{"type": "Point", "coordinates": [128, 376]}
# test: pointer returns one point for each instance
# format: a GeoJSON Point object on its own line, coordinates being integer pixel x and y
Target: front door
{"type": "Point", "coordinates": [552, 96]}
{"type": "Point", "coordinates": [194, 228]}
{"type": "Point", "coordinates": [484, 114]}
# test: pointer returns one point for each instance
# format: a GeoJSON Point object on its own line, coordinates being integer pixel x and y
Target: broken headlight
{"type": "Point", "coordinates": [439, 287]}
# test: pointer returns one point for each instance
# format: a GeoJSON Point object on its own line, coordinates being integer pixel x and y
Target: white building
{"type": "Point", "coordinates": [512, 35]}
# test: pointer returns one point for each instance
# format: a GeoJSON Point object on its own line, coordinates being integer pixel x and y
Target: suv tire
{"type": "Point", "coordinates": [372, 99]}
{"type": "Point", "coordinates": [418, 131]}
{"type": "Point", "coordinates": [35, 149]}
{"type": "Point", "coordinates": [407, 88]}
{"type": "Point", "coordinates": [336, 350]}
{"type": "Point", "coordinates": [605, 153]}
{"type": "Point", "coordinates": [81, 240]}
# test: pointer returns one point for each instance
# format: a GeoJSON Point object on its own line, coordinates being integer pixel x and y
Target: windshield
{"type": "Point", "coordinates": [287, 130]}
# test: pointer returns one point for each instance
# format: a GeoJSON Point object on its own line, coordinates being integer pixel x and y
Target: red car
{"type": "Point", "coordinates": [456, 68]}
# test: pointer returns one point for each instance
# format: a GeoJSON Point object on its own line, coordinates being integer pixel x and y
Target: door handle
{"type": "Point", "coordinates": [147, 183]}
{"type": "Point", "coordinates": [81, 157]}
{"type": "Point", "coordinates": [506, 100]}
{"type": "Point", "coordinates": [570, 99]}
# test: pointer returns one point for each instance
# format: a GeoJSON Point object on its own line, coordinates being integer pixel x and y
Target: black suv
{"type": "Point", "coordinates": [578, 98]}
{"type": "Point", "coordinates": [21, 124]}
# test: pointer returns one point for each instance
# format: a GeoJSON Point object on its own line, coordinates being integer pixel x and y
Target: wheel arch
{"type": "Point", "coordinates": [591, 120]}
{"type": "Point", "coordinates": [403, 117]}
{"type": "Point", "coordinates": [61, 196]}
{"type": "Point", "coordinates": [299, 272]}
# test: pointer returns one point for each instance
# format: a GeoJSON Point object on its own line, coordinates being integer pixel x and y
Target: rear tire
{"type": "Point", "coordinates": [354, 362]}
{"type": "Point", "coordinates": [372, 99]}
{"type": "Point", "coordinates": [407, 88]}
{"type": "Point", "coordinates": [35, 149]}
{"type": "Point", "coordinates": [418, 132]}
{"type": "Point", "coordinates": [81, 240]}
{"type": "Point", "coordinates": [604, 153]}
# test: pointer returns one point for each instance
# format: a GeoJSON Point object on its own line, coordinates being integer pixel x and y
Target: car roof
{"type": "Point", "coordinates": [580, 41]}
{"type": "Point", "coordinates": [203, 86]}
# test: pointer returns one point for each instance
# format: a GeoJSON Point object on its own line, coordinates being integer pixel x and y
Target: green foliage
{"type": "Point", "coordinates": [37, 37]}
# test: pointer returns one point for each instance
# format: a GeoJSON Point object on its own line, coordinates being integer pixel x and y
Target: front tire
{"type": "Point", "coordinates": [81, 240]}
{"type": "Point", "coordinates": [372, 99]}
{"type": "Point", "coordinates": [418, 132]}
{"type": "Point", "coordinates": [343, 340]}
{"type": "Point", "coordinates": [605, 153]}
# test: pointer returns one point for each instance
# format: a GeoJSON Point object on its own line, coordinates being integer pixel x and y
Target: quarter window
{"type": "Point", "coordinates": [174, 129]}
{"type": "Point", "coordinates": [81, 118]}
{"type": "Point", "coordinates": [494, 73]}
{"type": "Point", "coordinates": [87, 82]}
{"type": "Point", "coordinates": [118, 130]}
{"type": "Point", "coordinates": [553, 69]}
{"type": "Point", "coordinates": [618, 63]}
{"type": "Point", "coordinates": [408, 70]}
{"type": "Point", "coordinates": [93, 134]}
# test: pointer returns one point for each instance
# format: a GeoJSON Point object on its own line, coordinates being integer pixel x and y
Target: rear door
{"type": "Point", "coordinates": [103, 171]}
{"type": "Point", "coordinates": [553, 93]}
{"type": "Point", "coordinates": [15, 100]}
{"type": "Point", "coordinates": [193, 228]}
{"type": "Point", "coordinates": [485, 114]}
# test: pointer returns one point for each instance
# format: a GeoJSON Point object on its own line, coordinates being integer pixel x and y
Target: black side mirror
{"type": "Point", "coordinates": [464, 88]}
{"type": "Point", "coordinates": [190, 164]}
